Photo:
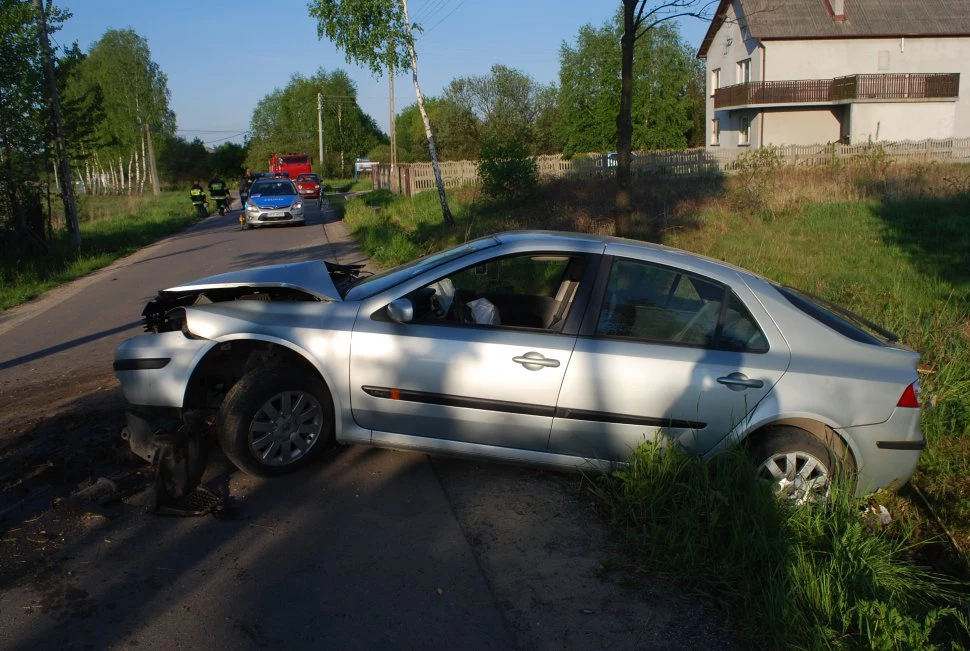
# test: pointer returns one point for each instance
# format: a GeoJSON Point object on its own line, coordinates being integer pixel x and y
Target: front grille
{"type": "Point", "coordinates": [266, 218]}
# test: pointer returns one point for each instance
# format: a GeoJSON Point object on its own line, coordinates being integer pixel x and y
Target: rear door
{"type": "Point", "coordinates": [664, 352]}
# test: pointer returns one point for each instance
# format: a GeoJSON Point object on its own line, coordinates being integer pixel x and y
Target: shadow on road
{"type": "Point", "coordinates": [51, 350]}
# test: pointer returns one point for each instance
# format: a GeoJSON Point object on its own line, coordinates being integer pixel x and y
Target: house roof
{"type": "Point", "coordinates": [798, 19]}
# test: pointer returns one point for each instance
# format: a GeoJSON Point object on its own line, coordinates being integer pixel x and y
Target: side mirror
{"type": "Point", "coordinates": [401, 310]}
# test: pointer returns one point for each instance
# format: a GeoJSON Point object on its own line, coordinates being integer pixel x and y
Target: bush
{"type": "Point", "coordinates": [507, 171]}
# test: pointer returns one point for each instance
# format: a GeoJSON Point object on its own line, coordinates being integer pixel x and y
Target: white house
{"type": "Point", "coordinates": [818, 71]}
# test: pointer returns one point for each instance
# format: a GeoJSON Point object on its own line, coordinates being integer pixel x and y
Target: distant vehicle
{"type": "Point", "coordinates": [294, 164]}
{"type": "Point", "coordinates": [272, 201]}
{"type": "Point", "coordinates": [308, 186]}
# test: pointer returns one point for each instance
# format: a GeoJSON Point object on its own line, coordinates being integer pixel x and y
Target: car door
{"type": "Point", "coordinates": [481, 360]}
{"type": "Point", "coordinates": [664, 352]}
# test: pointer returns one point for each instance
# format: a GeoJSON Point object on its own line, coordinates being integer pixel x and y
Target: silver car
{"type": "Point", "coordinates": [551, 349]}
{"type": "Point", "coordinates": [272, 201]}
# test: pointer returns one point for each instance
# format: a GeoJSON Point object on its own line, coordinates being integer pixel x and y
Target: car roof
{"type": "Point", "coordinates": [679, 257]}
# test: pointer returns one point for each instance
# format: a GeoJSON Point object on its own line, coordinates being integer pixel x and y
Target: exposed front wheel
{"type": "Point", "coordinates": [800, 467]}
{"type": "Point", "coordinates": [276, 420]}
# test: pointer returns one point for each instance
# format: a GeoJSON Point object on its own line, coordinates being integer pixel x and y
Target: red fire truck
{"type": "Point", "coordinates": [290, 164]}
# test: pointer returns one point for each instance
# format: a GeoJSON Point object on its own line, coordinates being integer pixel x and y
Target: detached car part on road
{"type": "Point", "coordinates": [551, 349]}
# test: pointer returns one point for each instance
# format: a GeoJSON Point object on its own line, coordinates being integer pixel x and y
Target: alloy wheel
{"type": "Point", "coordinates": [285, 427]}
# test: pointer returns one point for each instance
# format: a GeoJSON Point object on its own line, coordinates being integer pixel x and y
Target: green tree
{"type": "Point", "coordinates": [506, 104]}
{"type": "Point", "coordinates": [639, 17]}
{"type": "Point", "coordinates": [379, 35]}
{"type": "Point", "coordinates": [228, 160]}
{"type": "Point", "coordinates": [286, 121]}
{"type": "Point", "coordinates": [135, 99]}
{"type": "Point", "coordinates": [662, 105]}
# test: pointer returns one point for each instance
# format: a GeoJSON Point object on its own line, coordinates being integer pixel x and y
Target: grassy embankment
{"type": "Point", "coordinates": [111, 227]}
{"type": "Point", "coordinates": [338, 186]}
{"type": "Point", "coordinates": [891, 242]}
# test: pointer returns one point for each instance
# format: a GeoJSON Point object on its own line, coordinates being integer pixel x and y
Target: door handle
{"type": "Point", "coordinates": [535, 361]}
{"type": "Point", "coordinates": [740, 382]}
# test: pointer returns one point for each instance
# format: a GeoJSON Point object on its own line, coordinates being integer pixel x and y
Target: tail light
{"type": "Point", "coordinates": [910, 397]}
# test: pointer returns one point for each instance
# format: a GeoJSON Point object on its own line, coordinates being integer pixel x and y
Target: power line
{"type": "Point", "coordinates": [447, 16]}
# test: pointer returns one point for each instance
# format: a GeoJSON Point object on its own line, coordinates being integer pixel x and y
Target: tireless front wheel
{"type": "Point", "coordinates": [276, 420]}
{"type": "Point", "coordinates": [800, 467]}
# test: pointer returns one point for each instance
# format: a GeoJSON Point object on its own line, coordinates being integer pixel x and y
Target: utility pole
{"type": "Point", "coordinates": [67, 183]}
{"type": "Point", "coordinates": [390, 76]}
{"type": "Point", "coordinates": [320, 127]}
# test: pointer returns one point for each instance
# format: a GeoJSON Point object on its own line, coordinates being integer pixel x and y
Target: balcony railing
{"type": "Point", "coordinates": [901, 86]}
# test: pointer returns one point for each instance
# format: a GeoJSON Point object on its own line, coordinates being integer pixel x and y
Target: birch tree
{"type": "Point", "coordinates": [379, 35]}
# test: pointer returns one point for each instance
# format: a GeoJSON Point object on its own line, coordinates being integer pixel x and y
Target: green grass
{"type": "Point", "coordinates": [814, 577]}
{"type": "Point", "coordinates": [111, 227]}
{"type": "Point", "coordinates": [362, 184]}
{"type": "Point", "coordinates": [895, 248]}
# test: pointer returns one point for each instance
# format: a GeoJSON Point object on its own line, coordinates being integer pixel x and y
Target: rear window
{"type": "Point", "coordinates": [839, 319]}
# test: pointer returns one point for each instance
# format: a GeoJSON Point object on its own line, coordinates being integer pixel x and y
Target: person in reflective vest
{"type": "Point", "coordinates": [197, 195]}
{"type": "Point", "coordinates": [220, 193]}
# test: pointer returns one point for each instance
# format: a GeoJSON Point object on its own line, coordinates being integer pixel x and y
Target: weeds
{"type": "Point", "coordinates": [813, 577]}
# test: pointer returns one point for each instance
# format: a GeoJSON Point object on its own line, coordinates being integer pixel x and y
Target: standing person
{"type": "Point", "coordinates": [244, 189]}
{"type": "Point", "coordinates": [220, 192]}
{"type": "Point", "coordinates": [197, 195]}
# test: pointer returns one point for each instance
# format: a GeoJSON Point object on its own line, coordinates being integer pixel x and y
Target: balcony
{"type": "Point", "coordinates": [902, 87]}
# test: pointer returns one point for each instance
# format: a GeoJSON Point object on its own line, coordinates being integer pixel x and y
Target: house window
{"type": "Point", "coordinates": [715, 80]}
{"type": "Point", "coordinates": [715, 132]}
{"type": "Point", "coordinates": [744, 133]}
{"type": "Point", "coordinates": [744, 71]}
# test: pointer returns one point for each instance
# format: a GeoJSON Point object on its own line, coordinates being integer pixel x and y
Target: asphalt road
{"type": "Point", "coordinates": [72, 332]}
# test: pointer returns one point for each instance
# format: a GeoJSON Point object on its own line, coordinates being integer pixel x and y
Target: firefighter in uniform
{"type": "Point", "coordinates": [197, 195]}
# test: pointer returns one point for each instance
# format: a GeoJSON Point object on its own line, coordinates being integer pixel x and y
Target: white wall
{"type": "Point", "coordinates": [801, 126]}
{"type": "Point", "coordinates": [896, 121]}
{"type": "Point", "coordinates": [826, 59]}
{"type": "Point", "coordinates": [727, 48]}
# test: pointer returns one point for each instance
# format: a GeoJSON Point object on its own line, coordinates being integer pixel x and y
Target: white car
{"type": "Point", "coordinates": [551, 349]}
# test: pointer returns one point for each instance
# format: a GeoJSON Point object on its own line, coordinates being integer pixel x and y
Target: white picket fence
{"type": "Point", "coordinates": [412, 178]}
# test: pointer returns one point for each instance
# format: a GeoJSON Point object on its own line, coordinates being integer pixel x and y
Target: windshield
{"type": "Point", "coordinates": [272, 189]}
{"type": "Point", "coordinates": [371, 285]}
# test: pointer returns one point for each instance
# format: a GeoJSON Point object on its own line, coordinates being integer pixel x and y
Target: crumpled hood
{"type": "Point", "coordinates": [311, 277]}
{"type": "Point", "coordinates": [273, 201]}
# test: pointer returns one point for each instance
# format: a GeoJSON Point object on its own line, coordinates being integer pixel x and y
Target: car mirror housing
{"type": "Point", "coordinates": [401, 310]}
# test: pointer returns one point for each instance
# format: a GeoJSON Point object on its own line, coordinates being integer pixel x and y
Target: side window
{"type": "Point", "coordinates": [657, 304]}
{"type": "Point", "coordinates": [524, 291]}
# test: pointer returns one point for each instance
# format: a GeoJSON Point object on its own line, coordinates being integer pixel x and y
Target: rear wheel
{"type": "Point", "coordinates": [275, 420]}
{"type": "Point", "coordinates": [800, 467]}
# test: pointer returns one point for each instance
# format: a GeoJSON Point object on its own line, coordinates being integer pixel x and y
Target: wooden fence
{"type": "Point", "coordinates": [412, 178]}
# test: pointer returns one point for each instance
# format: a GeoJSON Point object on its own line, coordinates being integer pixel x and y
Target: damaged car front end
{"type": "Point", "coordinates": [176, 376]}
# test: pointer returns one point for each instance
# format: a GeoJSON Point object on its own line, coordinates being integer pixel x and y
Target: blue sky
{"type": "Point", "coordinates": [223, 56]}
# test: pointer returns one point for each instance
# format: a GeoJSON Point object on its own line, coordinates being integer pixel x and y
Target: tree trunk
{"type": "Point", "coordinates": [70, 203]}
{"type": "Point", "coordinates": [141, 178]}
{"type": "Point", "coordinates": [153, 169]}
{"type": "Point", "coordinates": [432, 148]}
{"type": "Point", "coordinates": [131, 162]}
{"type": "Point", "coordinates": [623, 204]}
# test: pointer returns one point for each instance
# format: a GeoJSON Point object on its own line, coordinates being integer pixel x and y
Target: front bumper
{"type": "Point", "coordinates": [269, 216]}
{"type": "Point", "coordinates": [147, 379]}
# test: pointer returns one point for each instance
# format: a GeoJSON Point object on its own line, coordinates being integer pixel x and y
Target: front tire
{"type": "Point", "coordinates": [275, 421]}
{"type": "Point", "coordinates": [800, 467]}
